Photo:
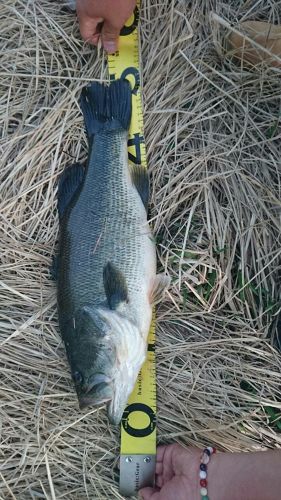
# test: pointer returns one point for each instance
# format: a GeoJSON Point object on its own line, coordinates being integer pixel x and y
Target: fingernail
{"type": "Point", "coordinates": [110, 47]}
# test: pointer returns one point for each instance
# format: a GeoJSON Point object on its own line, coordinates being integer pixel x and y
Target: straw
{"type": "Point", "coordinates": [212, 131]}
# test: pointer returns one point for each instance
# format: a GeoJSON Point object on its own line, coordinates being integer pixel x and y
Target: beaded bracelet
{"type": "Point", "coordinates": [205, 458]}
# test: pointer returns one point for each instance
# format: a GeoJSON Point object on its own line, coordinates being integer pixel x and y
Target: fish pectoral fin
{"type": "Point", "coordinates": [70, 180]}
{"type": "Point", "coordinates": [140, 180]}
{"type": "Point", "coordinates": [115, 286]}
{"type": "Point", "coordinates": [161, 283]}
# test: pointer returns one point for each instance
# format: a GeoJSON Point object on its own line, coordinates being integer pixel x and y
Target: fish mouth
{"type": "Point", "coordinates": [91, 400]}
{"type": "Point", "coordinates": [96, 391]}
{"type": "Point", "coordinates": [96, 382]}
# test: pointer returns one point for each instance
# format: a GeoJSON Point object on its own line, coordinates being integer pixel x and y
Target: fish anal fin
{"type": "Point", "coordinates": [115, 286]}
{"type": "Point", "coordinates": [70, 180]}
{"type": "Point", "coordinates": [161, 283]}
{"type": "Point", "coordinates": [140, 180]}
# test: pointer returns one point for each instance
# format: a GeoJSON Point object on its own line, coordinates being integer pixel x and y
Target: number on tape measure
{"type": "Point", "coordinates": [131, 71]}
{"type": "Point", "coordinates": [147, 411]}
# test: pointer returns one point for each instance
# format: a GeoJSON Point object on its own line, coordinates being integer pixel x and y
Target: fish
{"type": "Point", "coordinates": [106, 264]}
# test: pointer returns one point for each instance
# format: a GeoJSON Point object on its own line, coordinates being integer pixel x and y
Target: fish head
{"type": "Point", "coordinates": [91, 354]}
{"type": "Point", "coordinates": [105, 357]}
{"type": "Point", "coordinates": [130, 351]}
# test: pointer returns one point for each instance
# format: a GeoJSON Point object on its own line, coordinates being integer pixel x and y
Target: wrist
{"type": "Point", "coordinates": [228, 477]}
{"type": "Point", "coordinates": [216, 477]}
{"type": "Point", "coordinates": [247, 476]}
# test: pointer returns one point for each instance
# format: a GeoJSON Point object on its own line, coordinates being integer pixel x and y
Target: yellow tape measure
{"type": "Point", "coordinates": [138, 427]}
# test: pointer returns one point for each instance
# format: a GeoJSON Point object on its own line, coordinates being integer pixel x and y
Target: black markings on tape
{"type": "Point", "coordinates": [130, 71]}
{"type": "Point", "coordinates": [127, 30]}
{"type": "Point", "coordinates": [141, 407]}
{"type": "Point", "coordinates": [135, 142]}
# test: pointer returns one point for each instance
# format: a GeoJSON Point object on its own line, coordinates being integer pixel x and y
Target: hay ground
{"type": "Point", "coordinates": [213, 138]}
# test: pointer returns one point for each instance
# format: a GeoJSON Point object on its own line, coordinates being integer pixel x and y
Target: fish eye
{"type": "Point", "coordinates": [77, 378]}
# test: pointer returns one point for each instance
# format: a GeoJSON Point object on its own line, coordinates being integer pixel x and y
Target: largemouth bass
{"type": "Point", "coordinates": [106, 278]}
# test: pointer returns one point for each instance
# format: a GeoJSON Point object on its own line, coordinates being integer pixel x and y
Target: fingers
{"type": "Point", "coordinates": [161, 451]}
{"type": "Point", "coordinates": [159, 468]}
{"type": "Point", "coordinates": [114, 14]}
{"type": "Point", "coordinates": [149, 493]}
{"type": "Point", "coordinates": [164, 464]}
{"type": "Point", "coordinates": [159, 481]}
{"type": "Point", "coordinates": [90, 29]}
{"type": "Point", "coordinates": [110, 35]}
{"type": "Point", "coordinates": [171, 460]}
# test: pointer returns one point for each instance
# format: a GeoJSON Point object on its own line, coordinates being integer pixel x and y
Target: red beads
{"type": "Point", "coordinates": [210, 450]}
{"type": "Point", "coordinates": [203, 483]}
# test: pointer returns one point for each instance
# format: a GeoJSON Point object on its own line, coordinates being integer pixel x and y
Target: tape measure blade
{"type": "Point", "coordinates": [138, 429]}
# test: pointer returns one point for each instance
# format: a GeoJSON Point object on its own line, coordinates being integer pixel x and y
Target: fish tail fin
{"type": "Point", "coordinates": [106, 107]}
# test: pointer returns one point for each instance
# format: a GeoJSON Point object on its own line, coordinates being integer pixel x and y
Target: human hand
{"type": "Point", "coordinates": [176, 474]}
{"type": "Point", "coordinates": [236, 476]}
{"type": "Point", "coordinates": [103, 19]}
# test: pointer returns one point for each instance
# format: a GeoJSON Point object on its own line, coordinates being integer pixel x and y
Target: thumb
{"type": "Point", "coordinates": [110, 35]}
{"type": "Point", "coordinates": [89, 29]}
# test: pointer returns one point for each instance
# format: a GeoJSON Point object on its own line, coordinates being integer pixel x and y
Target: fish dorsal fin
{"type": "Point", "coordinates": [70, 180]}
{"type": "Point", "coordinates": [141, 182]}
{"type": "Point", "coordinates": [160, 284]}
{"type": "Point", "coordinates": [115, 286]}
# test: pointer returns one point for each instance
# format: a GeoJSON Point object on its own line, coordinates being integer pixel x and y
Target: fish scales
{"type": "Point", "coordinates": [107, 222]}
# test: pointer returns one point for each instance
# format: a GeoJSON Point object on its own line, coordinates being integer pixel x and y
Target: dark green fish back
{"type": "Point", "coordinates": [104, 224]}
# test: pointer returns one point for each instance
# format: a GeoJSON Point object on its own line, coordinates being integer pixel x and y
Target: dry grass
{"type": "Point", "coordinates": [213, 139]}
